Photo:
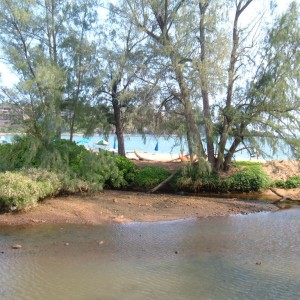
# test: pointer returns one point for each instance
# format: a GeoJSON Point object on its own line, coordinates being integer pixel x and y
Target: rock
{"type": "Point", "coordinates": [67, 244]}
{"type": "Point", "coordinates": [16, 246]}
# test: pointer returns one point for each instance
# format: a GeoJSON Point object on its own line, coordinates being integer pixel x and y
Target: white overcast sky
{"type": "Point", "coordinates": [8, 79]}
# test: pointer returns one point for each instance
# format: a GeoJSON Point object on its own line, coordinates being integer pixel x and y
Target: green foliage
{"type": "Point", "coordinates": [251, 178]}
{"type": "Point", "coordinates": [192, 179]}
{"type": "Point", "coordinates": [78, 168]}
{"type": "Point", "coordinates": [246, 163]}
{"type": "Point", "coordinates": [18, 191]}
{"type": "Point", "coordinates": [48, 182]}
{"type": "Point", "coordinates": [127, 168]}
{"type": "Point", "coordinates": [28, 151]}
{"type": "Point", "coordinates": [150, 176]}
{"type": "Point", "coordinates": [291, 183]}
{"type": "Point", "coordinates": [73, 185]}
{"type": "Point", "coordinates": [99, 170]}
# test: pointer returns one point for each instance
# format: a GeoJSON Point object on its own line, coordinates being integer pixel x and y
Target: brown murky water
{"type": "Point", "coordinates": [238, 257]}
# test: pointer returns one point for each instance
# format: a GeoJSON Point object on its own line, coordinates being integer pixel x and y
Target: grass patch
{"type": "Point", "coordinates": [246, 163]}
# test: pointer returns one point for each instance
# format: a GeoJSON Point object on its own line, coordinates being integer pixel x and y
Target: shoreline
{"type": "Point", "coordinates": [124, 207]}
{"type": "Point", "coordinates": [130, 206]}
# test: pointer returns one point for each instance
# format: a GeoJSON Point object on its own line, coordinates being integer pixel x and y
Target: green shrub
{"type": "Point", "coordinates": [75, 165]}
{"type": "Point", "coordinates": [150, 176]}
{"type": "Point", "coordinates": [48, 182]}
{"type": "Point", "coordinates": [190, 178]}
{"type": "Point", "coordinates": [127, 168]}
{"type": "Point", "coordinates": [291, 183]}
{"type": "Point", "coordinates": [249, 179]}
{"type": "Point", "coordinates": [99, 170]}
{"type": "Point", "coordinates": [18, 191]}
{"type": "Point", "coordinates": [204, 183]}
{"type": "Point", "coordinates": [279, 184]}
{"type": "Point", "coordinates": [73, 185]}
{"type": "Point", "coordinates": [5, 161]}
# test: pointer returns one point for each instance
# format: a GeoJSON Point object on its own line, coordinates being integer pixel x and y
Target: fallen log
{"type": "Point", "coordinates": [161, 184]}
{"type": "Point", "coordinates": [282, 197]}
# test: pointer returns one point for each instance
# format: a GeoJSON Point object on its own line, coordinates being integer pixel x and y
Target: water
{"type": "Point", "coordinates": [166, 144]}
{"type": "Point", "coordinates": [237, 257]}
{"type": "Point", "coordinates": [137, 142]}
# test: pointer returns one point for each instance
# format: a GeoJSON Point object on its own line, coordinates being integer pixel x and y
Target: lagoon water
{"type": "Point", "coordinates": [166, 144]}
{"type": "Point", "coordinates": [237, 257]}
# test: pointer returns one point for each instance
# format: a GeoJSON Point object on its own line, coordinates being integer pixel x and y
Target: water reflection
{"type": "Point", "coordinates": [240, 257]}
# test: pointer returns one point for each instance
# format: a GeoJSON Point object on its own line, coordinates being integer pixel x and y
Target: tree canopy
{"type": "Point", "coordinates": [212, 71]}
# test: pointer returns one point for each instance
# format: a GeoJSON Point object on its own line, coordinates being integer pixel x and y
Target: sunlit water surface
{"type": "Point", "coordinates": [238, 257]}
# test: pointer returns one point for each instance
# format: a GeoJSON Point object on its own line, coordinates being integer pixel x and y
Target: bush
{"type": "Point", "coordinates": [76, 166]}
{"type": "Point", "coordinates": [48, 182]}
{"type": "Point", "coordinates": [73, 185]}
{"type": "Point", "coordinates": [190, 178]}
{"type": "Point", "coordinates": [249, 179]}
{"type": "Point", "coordinates": [99, 170]}
{"type": "Point", "coordinates": [150, 176]}
{"type": "Point", "coordinates": [291, 183]}
{"type": "Point", "coordinates": [203, 183]}
{"type": "Point", "coordinates": [18, 191]}
{"type": "Point", "coordinates": [127, 168]}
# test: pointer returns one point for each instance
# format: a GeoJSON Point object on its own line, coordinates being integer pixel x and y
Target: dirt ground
{"type": "Point", "coordinates": [122, 206]}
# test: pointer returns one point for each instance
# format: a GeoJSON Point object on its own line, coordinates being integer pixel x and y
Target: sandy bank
{"type": "Point", "coordinates": [122, 206]}
{"type": "Point", "coordinates": [119, 206]}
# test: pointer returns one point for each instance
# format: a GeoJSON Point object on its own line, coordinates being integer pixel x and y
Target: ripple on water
{"type": "Point", "coordinates": [239, 257]}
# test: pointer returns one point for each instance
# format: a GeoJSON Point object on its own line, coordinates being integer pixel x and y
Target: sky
{"type": "Point", "coordinates": [8, 79]}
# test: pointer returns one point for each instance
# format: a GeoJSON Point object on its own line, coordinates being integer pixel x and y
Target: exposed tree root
{"type": "Point", "coordinates": [282, 197]}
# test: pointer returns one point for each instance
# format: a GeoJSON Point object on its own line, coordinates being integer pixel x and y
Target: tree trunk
{"type": "Point", "coordinates": [204, 86]}
{"type": "Point", "coordinates": [194, 136]}
{"type": "Point", "coordinates": [227, 111]}
{"type": "Point", "coordinates": [118, 121]}
{"type": "Point", "coordinates": [230, 153]}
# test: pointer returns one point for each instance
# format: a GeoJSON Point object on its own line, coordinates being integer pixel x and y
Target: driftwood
{"type": "Point", "coordinates": [282, 197]}
{"type": "Point", "coordinates": [162, 184]}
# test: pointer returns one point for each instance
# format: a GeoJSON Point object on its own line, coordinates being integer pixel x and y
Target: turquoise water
{"type": "Point", "coordinates": [148, 143]}
{"type": "Point", "coordinates": [238, 257]}
{"type": "Point", "coordinates": [138, 142]}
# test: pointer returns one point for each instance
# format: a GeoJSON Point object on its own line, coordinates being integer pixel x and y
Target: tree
{"type": "Point", "coordinates": [273, 105]}
{"type": "Point", "coordinates": [30, 47]}
{"type": "Point", "coordinates": [234, 62]}
{"type": "Point", "coordinates": [79, 63]}
{"type": "Point", "coordinates": [46, 44]}
{"type": "Point", "coordinates": [121, 61]}
{"type": "Point", "coordinates": [221, 72]}
{"type": "Point", "coordinates": [163, 22]}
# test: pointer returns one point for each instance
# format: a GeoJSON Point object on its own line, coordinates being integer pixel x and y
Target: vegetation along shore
{"type": "Point", "coordinates": [89, 188]}
{"type": "Point", "coordinates": [219, 79]}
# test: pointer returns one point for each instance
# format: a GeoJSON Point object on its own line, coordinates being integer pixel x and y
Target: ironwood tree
{"type": "Point", "coordinates": [46, 44]}
{"type": "Point", "coordinates": [217, 62]}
